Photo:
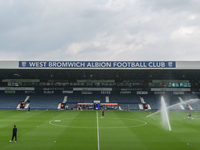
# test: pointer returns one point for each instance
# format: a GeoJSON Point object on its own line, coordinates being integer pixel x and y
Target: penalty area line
{"type": "Point", "coordinates": [98, 130]}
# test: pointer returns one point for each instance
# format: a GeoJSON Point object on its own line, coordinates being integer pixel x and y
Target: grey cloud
{"type": "Point", "coordinates": [133, 30]}
{"type": "Point", "coordinates": [171, 5]}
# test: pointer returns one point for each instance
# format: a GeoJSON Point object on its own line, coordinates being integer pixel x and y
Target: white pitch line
{"type": "Point", "coordinates": [144, 123]}
{"type": "Point", "coordinates": [98, 130]}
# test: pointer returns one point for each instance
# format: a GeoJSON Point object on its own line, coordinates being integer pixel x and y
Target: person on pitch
{"type": "Point", "coordinates": [102, 114]}
{"type": "Point", "coordinates": [14, 134]}
{"type": "Point", "coordinates": [189, 116]}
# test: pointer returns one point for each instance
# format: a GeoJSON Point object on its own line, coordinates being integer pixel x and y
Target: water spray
{"type": "Point", "coordinates": [191, 100]}
{"type": "Point", "coordinates": [164, 113]}
{"type": "Point", "coordinates": [165, 117]}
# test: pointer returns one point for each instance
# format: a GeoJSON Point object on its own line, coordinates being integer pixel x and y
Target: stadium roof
{"type": "Point", "coordinates": [119, 70]}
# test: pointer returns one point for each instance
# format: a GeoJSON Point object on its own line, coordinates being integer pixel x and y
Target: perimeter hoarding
{"type": "Point", "coordinates": [98, 64]}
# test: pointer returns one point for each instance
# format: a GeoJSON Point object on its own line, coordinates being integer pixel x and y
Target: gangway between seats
{"type": "Point", "coordinates": [24, 104]}
{"type": "Point", "coordinates": [59, 106]}
{"type": "Point", "coordinates": [27, 98]}
{"type": "Point", "coordinates": [142, 100]}
{"type": "Point", "coordinates": [107, 99]}
{"type": "Point", "coordinates": [62, 105]}
{"type": "Point", "coordinates": [190, 107]}
{"type": "Point", "coordinates": [141, 106]}
{"type": "Point", "coordinates": [149, 107]}
{"type": "Point", "coordinates": [181, 105]}
{"type": "Point", "coordinates": [18, 107]}
{"type": "Point", "coordinates": [145, 103]}
{"type": "Point", "coordinates": [65, 99]}
{"type": "Point", "coordinates": [27, 105]}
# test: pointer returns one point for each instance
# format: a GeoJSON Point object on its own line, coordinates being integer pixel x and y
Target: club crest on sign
{"type": "Point", "coordinates": [170, 64]}
{"type": "Point", "coordinates": [24, 64]}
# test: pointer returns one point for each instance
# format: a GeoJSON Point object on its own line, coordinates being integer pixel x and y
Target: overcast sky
{"type": "Point", "coordinates": [82, 30]}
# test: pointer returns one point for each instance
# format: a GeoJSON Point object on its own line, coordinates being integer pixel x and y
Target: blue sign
{"type": "Point", "coordinates": [97, 64]}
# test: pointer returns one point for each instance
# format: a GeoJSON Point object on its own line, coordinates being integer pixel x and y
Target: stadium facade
{"type": "Point", "coordinates": [128, 84]}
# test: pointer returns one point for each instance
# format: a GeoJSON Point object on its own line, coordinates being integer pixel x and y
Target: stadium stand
{"type": "Point", "coordinates": [10, 101]}
{"type": "Point", "coordinates": [153, 100]}
{"type": "Point", "coordinates": [129, 84]}
{"type": "Point", "coordinates": [76, 97]}
{"type": "Point", "coordinates": [116, 97]}
{"type": "Point", "coordinates": [40, 100]}
{"type": "Point", "coordinates": [89, 98]}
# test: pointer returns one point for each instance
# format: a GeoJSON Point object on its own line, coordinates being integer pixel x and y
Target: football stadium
{"type": "Point", "coordinates": [100, 105]}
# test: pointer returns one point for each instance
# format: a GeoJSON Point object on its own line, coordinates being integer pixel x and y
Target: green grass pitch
{"type": "Point", "coordinates": [86, 130]}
